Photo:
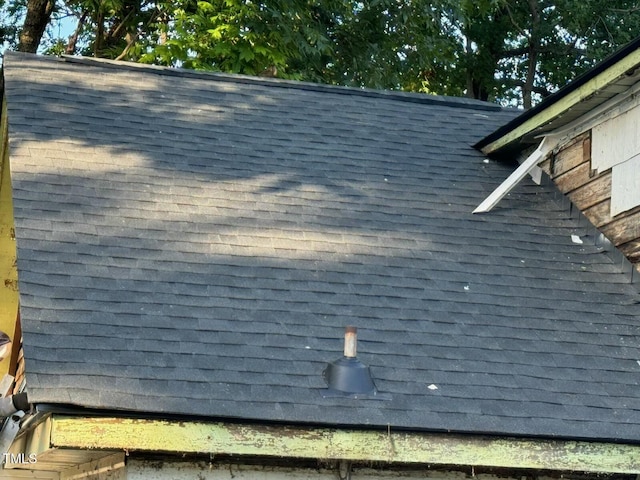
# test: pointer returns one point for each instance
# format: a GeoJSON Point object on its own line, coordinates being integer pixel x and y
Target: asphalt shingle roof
{"type": "Point", "coordinates": [195, 244]}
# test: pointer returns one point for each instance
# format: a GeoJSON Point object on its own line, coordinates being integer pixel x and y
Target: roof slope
{"type": "Point", "coordinates": [195, 244]}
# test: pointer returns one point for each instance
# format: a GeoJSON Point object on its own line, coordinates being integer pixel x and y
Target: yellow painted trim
{"type": "Point", "coordinates": [8, 259]}
{"type": "Point", "coordinates": [573, 98]}
{"type": "Point", "coordinates": [340, 444]}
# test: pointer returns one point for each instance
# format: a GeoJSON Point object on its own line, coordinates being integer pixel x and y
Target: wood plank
{"type": "Point", "coordinates": [569, 163]}
{"type": "Point", "coordinates": [570, 156]}
{"type": "Point", "coordinates": [625, 186]}
{"type": "Point", "coordinates": [224, 438]}
{"type": "Point", "coordinates": [591, 193]}
{"type": "Point", "coordinates": [30, 475]}
{"type": "Point", "coordinates": [623, 229]}
{"type": "Point", "coordinates": [5, 385]}
{"type": "Point", "coordinates": [546, 166]}
{"type": "Point", "coordinates": [632, 251]}
{"type": "Point", "coordinates": [566, 163]}
{"type": "Point", "coordinates": [19, 369]}
{"type": "Point", "coordinates": [598, 214]}
{"type": "Point", "coordinates": [110, 467]}
{"type": "Point", "coordinates": [586, 148]}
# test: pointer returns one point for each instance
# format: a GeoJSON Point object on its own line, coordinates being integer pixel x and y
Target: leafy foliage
{"type": "Point", "coordinates": [512, 51]}
{"type": "Point", "coordinates": [243, 37]}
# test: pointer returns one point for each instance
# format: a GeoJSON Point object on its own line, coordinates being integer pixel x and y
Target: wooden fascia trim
{"type": "Point", "coordinates": [402, 447]}
{"type": "Point", "coordinates": [555, 109]}
{"type": "Point", "coordinates": [613, 107]}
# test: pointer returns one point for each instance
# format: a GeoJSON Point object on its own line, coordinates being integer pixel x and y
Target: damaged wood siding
{"type": "Point", "coordinates": [590, 191]}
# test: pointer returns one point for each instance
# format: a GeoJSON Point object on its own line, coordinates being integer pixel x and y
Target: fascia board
{"type": "Point", "coordinates": [555, 109]}
{"type": "Point", "coordinates": [553, 140]}
{"type": "Point", "coordinates": [221, 438]}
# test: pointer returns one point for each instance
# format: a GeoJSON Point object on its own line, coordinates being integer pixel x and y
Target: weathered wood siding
{"type": "Point", "coordinates": [590, 190]}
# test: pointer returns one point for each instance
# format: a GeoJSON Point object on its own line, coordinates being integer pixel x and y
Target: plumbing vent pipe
{"type": "Point", "coordinates": [350, 342]}
{"type": "Point", "coordinates": [348, 375]}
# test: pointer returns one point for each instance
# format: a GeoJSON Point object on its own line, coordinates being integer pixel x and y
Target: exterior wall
{"type": "Point", "coordinates": [142, 470]}
{"type": "Point", "coordinates": [615, 145]}
{"type": "Point", "coordinates": [154, 470]}
{"type": "Point", "coordinates": [159, 470]}
{"type": "Point", "coordinates": [589, 187]}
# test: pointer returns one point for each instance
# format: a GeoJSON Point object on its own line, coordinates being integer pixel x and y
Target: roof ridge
{"type": "Point", "coordinates": [410, 97]}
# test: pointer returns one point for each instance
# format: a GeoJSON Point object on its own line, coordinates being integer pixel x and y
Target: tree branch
{"type": "Point", "coordinates": [542, 91]}
{"type": "Point", "coordinates": [130, 44]}
{"type": "Point", "coordinates": [625, 10]}
{"type": "Point", "coordinates": [513, 21]}
{"type": "Point", "coordinates": [73, 39]}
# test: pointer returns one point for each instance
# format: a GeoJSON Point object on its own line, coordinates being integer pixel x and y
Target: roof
{"type": "Point", "coordinates": [612, 76]}
{"type": "Point", "coordinates": [194, 244]}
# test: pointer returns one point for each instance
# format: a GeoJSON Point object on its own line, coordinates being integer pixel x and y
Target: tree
{"type": "Point", "coordinates": [36, 20]}
{"type": "Point", "coordinates": [289, 38]}
{"type": "Point", "coordinates": [512, 51]}
{"type": "Point", "coordinates": [517, 51]}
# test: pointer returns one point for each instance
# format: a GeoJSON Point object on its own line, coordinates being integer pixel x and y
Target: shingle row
{"type": "Point", "coordinates": [195, 245]}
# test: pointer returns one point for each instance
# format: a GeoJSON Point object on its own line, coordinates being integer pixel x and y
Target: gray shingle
{"type": "Point", "coordinates": [195, 244]}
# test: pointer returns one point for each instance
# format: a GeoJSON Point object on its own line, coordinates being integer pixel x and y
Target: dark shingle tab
{"type": "Point", "coordinates": [194, 244]}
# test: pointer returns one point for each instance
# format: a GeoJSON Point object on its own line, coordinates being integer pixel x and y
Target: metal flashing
{"type": "Point", "coordinates": [348, 376]}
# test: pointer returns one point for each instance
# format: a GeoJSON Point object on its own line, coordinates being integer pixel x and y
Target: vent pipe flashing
{"type": "Point", "coordinates": [348, 376]}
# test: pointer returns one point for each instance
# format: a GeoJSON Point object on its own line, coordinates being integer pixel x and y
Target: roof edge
{"type": "Point", "coordinates": [394, 95]}
{"type": "Point", "coordinates": [390, 446]}
{"type": "Point", "coordinates": [572, 93]}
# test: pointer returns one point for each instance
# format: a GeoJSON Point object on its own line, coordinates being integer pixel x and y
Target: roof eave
{"type": "Point", "coordinates": [613, 67]}
{"type": "Point", "coordinates": [80, 433]}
